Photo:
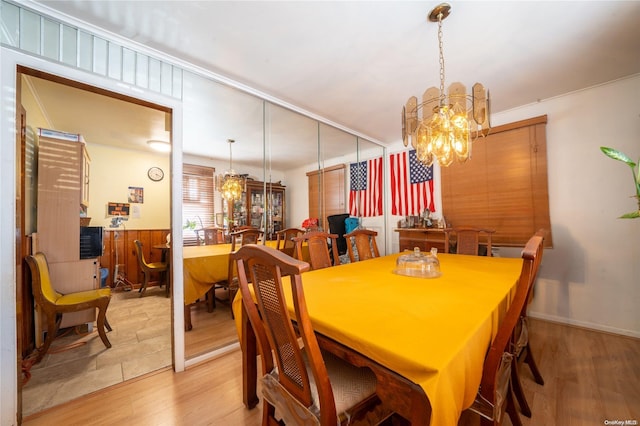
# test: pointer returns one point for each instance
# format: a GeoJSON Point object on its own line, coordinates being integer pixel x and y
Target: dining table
{"type": "Point", "coordinates": [424, 338]}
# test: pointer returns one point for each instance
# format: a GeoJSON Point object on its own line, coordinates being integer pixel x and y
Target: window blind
{"type": "Point", "coordinates": [504, 185]}
{"type": "Point", "coordinates": [197, 200]}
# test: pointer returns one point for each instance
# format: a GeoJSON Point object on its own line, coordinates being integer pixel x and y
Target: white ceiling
{"type": "Point", "coordinates": [356, 63]}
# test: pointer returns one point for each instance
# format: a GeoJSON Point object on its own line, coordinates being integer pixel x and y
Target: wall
{"type": "Point", "coordinates": [113, 171]}
{"type": "Point", "coordinates": [591, 276]}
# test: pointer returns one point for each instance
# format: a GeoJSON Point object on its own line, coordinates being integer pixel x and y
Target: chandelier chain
{"type": "Point", "coordinates": [441, 49]}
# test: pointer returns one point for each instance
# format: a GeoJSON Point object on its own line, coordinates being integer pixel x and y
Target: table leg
{"type": "Point", "coordinates": [249, 363]}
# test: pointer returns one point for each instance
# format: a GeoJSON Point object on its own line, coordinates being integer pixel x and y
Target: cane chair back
{"type": "Point", "coordinates": [468, 239]}
{"type": "Point", "coordinates": [361, 244]}
{"type": "Point", "coordinates": [301, 384]}
{"type": "Point", "coordinates": [321, 253]}
{"type": "Point", "coordinates": [284, 241]}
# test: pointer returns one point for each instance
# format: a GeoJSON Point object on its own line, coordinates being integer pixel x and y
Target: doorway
{"type": "Point", "coordinates": [140, 324]}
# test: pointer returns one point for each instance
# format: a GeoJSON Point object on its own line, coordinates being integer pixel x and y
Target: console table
{"type": "Point", "coordinates": [424, 238]}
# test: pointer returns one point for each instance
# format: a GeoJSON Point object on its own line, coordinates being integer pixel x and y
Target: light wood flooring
{"type": "Point", "coordinates": [590, 377]}
{"type": "Point", "coordinates": [78, 363]}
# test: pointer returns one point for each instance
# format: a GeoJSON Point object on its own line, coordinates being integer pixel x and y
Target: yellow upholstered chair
{"type": "Point", "coordinates": [361, 244]}
{"type": "Point", "coordinates": [148, 268]}
{"type": "Point", "coordinates": [54, 304]}
{"type": "Point", "coordinates": [301, 384]}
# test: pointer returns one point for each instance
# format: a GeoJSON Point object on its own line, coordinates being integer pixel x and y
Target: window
{"type": "Point", "coordinates": [197, 201]}
{"type": "Point", "coordinates": [504, 185]}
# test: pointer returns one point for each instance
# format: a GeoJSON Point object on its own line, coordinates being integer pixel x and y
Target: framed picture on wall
{"type": "Point", "coordinates": [136, 194]}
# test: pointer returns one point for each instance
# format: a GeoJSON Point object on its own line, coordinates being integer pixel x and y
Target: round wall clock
{"type": "Point", "coordinates": [155, 174]}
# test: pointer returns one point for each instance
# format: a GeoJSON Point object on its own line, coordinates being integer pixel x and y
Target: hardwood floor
{"type": "Point", "coordinates": [589, 377]}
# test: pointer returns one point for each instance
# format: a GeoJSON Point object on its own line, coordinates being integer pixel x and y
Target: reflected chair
{"type": "Point", "coordinates": [54, 304]}
{"type": "Point", "coordinates": [149, 268]}
{"type": "Point", "coordinates": [521, 338]}
{"type": "Point", "coordinates": [238, 239]}
{"type": "Point", "coordinates": [467, 240]}
{"type": "Point", "coordinates": [318, 245]}
{"type": "Point", "coordinates": [301, 383]}
{"type": "Point", "coordinates": [338, 226]}
{"type": "Point", "coordinates": [496, 394]}
{"type": "Point", "coordinates": [213, 236]}
{"type": "Point", "coordinates": [284, 241]}
{"type": "Point", "coordinates": [361, 244]}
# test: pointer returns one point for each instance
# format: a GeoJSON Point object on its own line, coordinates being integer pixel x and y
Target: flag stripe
{"type": "Point", "coordinates": [410, 198]}
{"type": "Point", "coordinates": [365, 196]}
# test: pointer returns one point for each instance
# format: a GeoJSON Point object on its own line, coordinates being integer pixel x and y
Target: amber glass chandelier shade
{"type": "Point", "coordinates": [442, 127]}
{"type": "Point", "coordinates": [231, 184]}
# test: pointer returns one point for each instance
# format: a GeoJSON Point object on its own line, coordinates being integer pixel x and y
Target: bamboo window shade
{"type": "Point", "coordinates": [504, 185]}
{"type": "Point", "coordinates": [198, 199]}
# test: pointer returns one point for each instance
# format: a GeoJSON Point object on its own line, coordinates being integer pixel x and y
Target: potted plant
{"type": "Point", "coordinates": [635, 173]}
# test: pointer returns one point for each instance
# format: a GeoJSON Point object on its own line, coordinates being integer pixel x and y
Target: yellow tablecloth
{"type": "Point", "coordinates": [435, 332]}
{"type": "Point", "coordinates": [203, 266]}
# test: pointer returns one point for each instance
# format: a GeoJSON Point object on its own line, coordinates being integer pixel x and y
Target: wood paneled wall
{"type": "Point", "coordinates": [124, 239]}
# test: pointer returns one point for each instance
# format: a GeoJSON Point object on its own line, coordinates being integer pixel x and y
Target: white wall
{"type": "Point", "coordinates": [592, 275]}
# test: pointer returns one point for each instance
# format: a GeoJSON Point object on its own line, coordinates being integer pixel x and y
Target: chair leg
{"type": "Point", "coordinates": [187, 318]}
{"type": "Point", "coordinates": [102, 316]}
{"type": "Point", "coordinates": [53, 324]}
{"type": "Point", "coordinates": [518, 389]}
{"type": "Point", "coordinates": [528, 358]}
{"type": "Point", "coordinates": [511, 409]}
{"type": "Point", "coordinates": [144, 284]}
{"type": "Point", "coordinates": [106, 323]}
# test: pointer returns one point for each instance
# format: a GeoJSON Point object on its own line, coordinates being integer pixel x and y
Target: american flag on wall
{"type": "Point", "coordinates": [365, 195]}
{"type": "Point", "coordinates": [411, 184]}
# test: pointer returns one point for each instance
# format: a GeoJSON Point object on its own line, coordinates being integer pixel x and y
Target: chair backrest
{"type": "Point", "coordinates": [467, 239]}
{"type": "Point", "coordinates": [41, 286]}
{"type": "Point", "coordinates": [244, 237]}
{"type": "Point", "coordinates": [274, 331]}
{"type": "Point", "coordinates": [318, 245]}
{"type": "Point", "coordinates": [213, 236]}
{"type": "Point", "coordinates": [140, 255]}
{"type": "Point", "coordinates": [338, 226]}
{"type": "Point", "coordinates": [491, 381]}
{"type": "Point", "coordinates": [365, 244]}
{"type": "Point", "coordinates": [284, 241]}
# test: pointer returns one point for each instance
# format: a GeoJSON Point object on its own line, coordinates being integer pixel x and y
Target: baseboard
{"type": "Point", "coordinates": [211, 355]}
{"type": "Point", "coordinates": [585, 324]}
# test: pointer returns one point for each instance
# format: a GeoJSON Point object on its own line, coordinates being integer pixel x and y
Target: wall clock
{"type": "Point", "coordinates": [155, 174]}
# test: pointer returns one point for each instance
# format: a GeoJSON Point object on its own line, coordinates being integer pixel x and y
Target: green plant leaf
{"type": "Point", "coordinates": [617, 155]}
{"type": "Point", "coordinates": [632, 215]}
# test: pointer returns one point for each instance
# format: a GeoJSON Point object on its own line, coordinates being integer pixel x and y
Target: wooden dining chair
{"type": "Point", "coordinates": [361, 244]}
{"type": "Point", "coordinates": [238, 239]}
{"type": "Point", "coordinates": [318, 245]}
{"type": "Point", "coordinates": [521, 337]}
{"type": "Point", "coordinates": [496, 396]}
{"type": "Point", "coordinates": [53, 304]}
{"type": "Point", "coordinates": [301, 384]}
{"type": "Point", "coordinates": [149, 267]}
{"type": "Point", "coordinates": [284, 240]}
{"type": "Point", "coordinates": [213, 236]}
{"type": "Point", "coordinates": [467, 239]}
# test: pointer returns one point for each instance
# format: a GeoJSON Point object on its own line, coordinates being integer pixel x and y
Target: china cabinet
{"type": "Point", "coordinates": [250, 209]}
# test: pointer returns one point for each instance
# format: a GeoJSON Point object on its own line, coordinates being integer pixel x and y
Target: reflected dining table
{"type": "Point", "coordinates": [425, 339]}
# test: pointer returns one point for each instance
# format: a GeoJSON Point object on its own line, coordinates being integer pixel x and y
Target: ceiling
{"type": "Point", "coordinates": [356, 63]}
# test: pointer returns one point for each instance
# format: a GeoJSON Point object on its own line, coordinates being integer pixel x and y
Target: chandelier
{"type": "Point", "coordinates": [442, 127]}
{"type": "Point", "coordinates": [231, 184]}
